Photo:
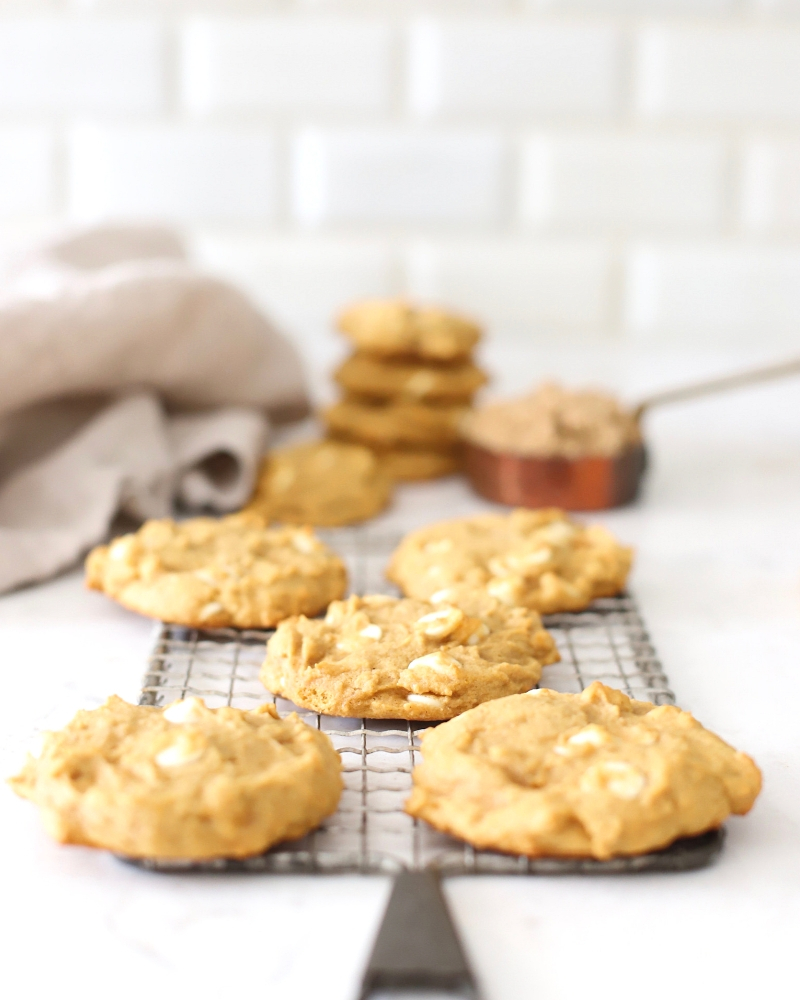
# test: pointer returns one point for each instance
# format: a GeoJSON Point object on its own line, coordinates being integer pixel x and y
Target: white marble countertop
{"type": "Point", "coordinates": [718, 579]}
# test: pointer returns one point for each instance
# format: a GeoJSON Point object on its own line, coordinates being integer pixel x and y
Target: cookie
{"type": "Point", "coordinates": [414, 465]}
{"type": "Point", "coordinates": [183, 782]}
{"type": "Point", "coordinates": [535, 558]}
{"type": "Point", "coordinates": [395, 425]}
{"type": "Point", "coordinates": [376, 378]}
{"type": "Point", "coordinates": [325, 483]}
{"type": "Point", "coordinates": [589, 775]}
{"type": "Point", "coordinates": [397, 329]}
{"type": "Point", "coordinates": [382, 658]}
{"type": "Point", "coordinates": [210, 573]}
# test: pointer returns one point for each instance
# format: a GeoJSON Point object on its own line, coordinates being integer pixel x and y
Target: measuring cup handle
{"type": "Point", "coordinates": [709, 386]}
{"type": "Point", "coordinates": [417, 947]}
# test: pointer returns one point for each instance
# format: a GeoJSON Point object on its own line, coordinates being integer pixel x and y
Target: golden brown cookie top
{"type": "Point", "coordinates": [186, 781]}
{"type": "Point", "coordinates": [393, 328]}
{"type": "Point", "coordinates": [376, 378]}
{"type": "Point", "coordinates": [380, 657]}
{"type": "Point", "coordinates": [207, 572]}
{"type": "Point", "coordinates": [536, 558]}
{"type": "Point", "coordinates": [595, 774]}
{"type": "Point", "coordinates": [321, 483]}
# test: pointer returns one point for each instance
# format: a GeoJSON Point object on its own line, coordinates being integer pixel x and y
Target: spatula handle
{"type": "Point", "coordinates": [417, 947]}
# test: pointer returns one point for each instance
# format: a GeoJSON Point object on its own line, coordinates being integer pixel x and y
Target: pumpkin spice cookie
{"type": "Point", "coordinates": [183, 782]}
{"type": "Point", "coordinates": [326, 483]}
{"type": "Point", "coordinates": [379, 657]}
{"type": "Point", "coordinates": [210, 573]}
{"type": "Point", "coordinates": [395, 425]}
{"type": "Point", "coordinates": [535, 558]}
{"type": "Point", "coordinates": [374, 378]}
{"type": "Point", "coordinates": [397, 329]}
{"type": "Point", "coordinates": [589, 775]}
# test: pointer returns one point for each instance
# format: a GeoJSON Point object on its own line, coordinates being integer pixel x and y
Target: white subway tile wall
{"type": "Point", "coordinates": [108, 66]}
{"type": "Point", "coordinates": [182, 173]}
{"type": "Point", "coordinates": [397, 176]}
{"type": "Point", "coordinates": [574, 169]}
{"type": "Point", "coordinates": [553, 286]}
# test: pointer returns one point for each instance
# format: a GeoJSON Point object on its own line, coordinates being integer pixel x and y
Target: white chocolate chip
{"type": "Point", "coordinates": [424, 699]}
{"type": "Point", "coordinates": [557, 532]}
{"type": "Point", "coordinates": [188, 710]}
{"type": "Point", "coordinates": [538, 557]}
{"type": "Point", "coordinates": [210, 609]}
{"type": "Point", "coordinates": [120, 549]}
{"type": "Point", "coordinates": [497, 567]}
{"type": "Point", "coordinates": [181, 752]}
{"type": "Point", "coordinates": [621, 779]}
{"type": "Point", "coordinates": [304, 543]}
{"type": "Point", "coordinates": [371, 632]}
{"type": "Point", "coordinates": [434, 616]}
{"type": "Point", "coordinates": [480, 633]}
{"type": "Point", "coordinates": [440, 545]}
{"type": "Point", "coordinates": [589, 736]}
{"type": "Point", "coordinates": [437, 662]}
{"type": "Point", "coordinates": [441, 595]}
{"type": "Point", "coordinates": [506, 591]}
{"type": "Point", "coordinates": [583, 742]}
{"type": "Point", "coordinates": [626, 781]}
{"type": "Point", "coordinates": [206, 576]}
{"type": "Point", "coordinates": [441, 623]}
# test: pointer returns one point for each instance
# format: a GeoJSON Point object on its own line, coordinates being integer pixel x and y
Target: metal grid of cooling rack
{"type": "Point", "coordinates": [370, 832]}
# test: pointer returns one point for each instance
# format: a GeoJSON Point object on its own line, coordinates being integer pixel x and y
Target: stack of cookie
{"type": "Point", "coordinates": [407, 386]}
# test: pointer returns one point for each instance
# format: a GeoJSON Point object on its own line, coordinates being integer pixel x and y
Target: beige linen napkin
{"type": "Point", "coordinates": [127, 379]}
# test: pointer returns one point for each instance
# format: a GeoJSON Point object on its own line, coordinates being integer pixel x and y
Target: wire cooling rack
{"type": "Point", "coordinates": [370, 832]}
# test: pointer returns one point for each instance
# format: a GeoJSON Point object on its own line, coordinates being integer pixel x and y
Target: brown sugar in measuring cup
{"type": "Point", "coordinates": [574, 450]}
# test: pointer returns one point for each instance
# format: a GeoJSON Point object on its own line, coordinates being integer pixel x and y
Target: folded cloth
{"type": "Point", "coordinates": [128, 379]}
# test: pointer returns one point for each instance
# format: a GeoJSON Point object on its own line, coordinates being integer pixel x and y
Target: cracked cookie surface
{"type": "Point", "coordinates": [538, 559]}
{"type": "Point", "coordinates": [325, 483]}
{"type": "Point", "coordinates": [589, 775]}
{"type": "Point", "coordinates": [183, 782]}
{"type": "Point", "coordinates": [209, 573]}
{"type": "Point", "coordinates": [391, 328]}
{"type": "Point", "coordinates": [379, 657]}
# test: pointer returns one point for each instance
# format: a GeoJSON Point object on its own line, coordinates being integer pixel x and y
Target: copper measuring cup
{"type": "Point", "coordinates": [592, 482]}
